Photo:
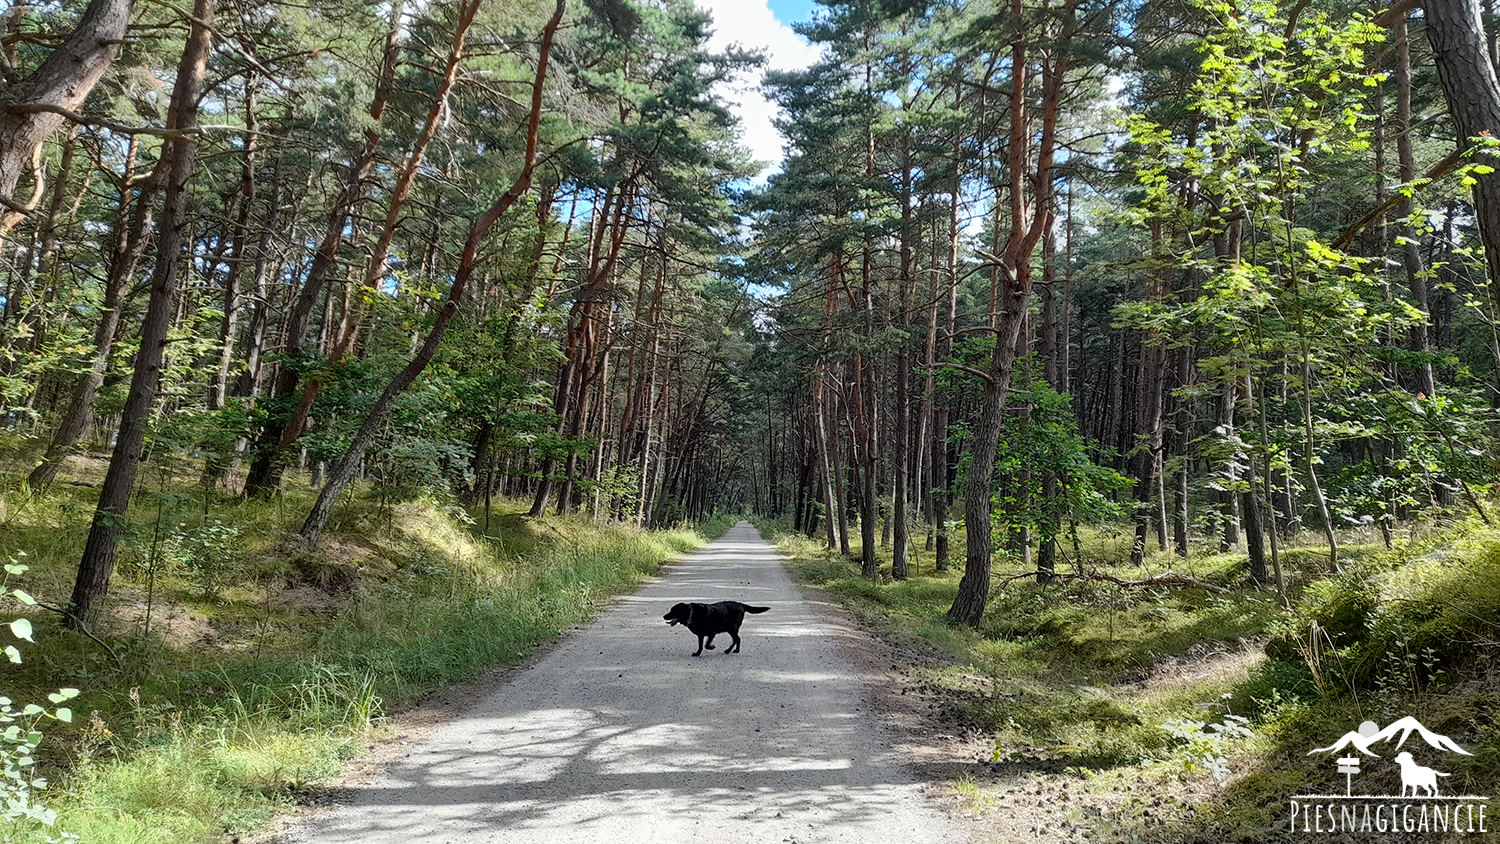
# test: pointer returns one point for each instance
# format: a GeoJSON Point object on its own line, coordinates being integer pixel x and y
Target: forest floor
{"type": "Point", "coordinates": [232, 675]}
{"type": "Point", "coordinates": [1087, 712]}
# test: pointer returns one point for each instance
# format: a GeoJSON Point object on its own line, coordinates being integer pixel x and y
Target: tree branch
{"type": "Point", "coordinates": [102, 122]}
{"type": "Point", "coordinates": [1400, 7]}
{"type": "Point", "coordinates": [1438, 171]}
{"type": "Point", "coordinates": [82, 628]}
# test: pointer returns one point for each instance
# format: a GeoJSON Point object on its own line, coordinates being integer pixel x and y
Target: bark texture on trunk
{"type": "Point", "coordinates": [98, 563]}
{"type": "Point", "coordinates": [1461, 52]}
{"type": "Point", "coordinates": [35, 107]}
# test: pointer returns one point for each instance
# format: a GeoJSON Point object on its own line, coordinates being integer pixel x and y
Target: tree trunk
{"type": "Point", "coordinates": [344, 469]}
{"type": "Point", "coordinates": [1182, 440]}
{"type": "Point", "coordinates": [1030, 201]}
{"type": "Point", "coordinates": [132, 229]}
{"type": "Point", "coordinates": [825, 459]}
{"type": "Point", "coordinates": [180, 152]}
{"type": "Point", "coordinates": [1147, 456]}
{"type": "Point", "coordinates": [219, 391]}
{"type": "Point", "coordinates": [35, 107]}
{"type": "Point", "coordinates": [901, 421]}
{"type": "Point", "coordinates": [1467, 75]}
{"type": "Point", "coordinates": [1255, 534]}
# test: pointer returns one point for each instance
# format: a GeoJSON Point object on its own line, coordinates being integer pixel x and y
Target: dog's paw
{"type": "Point", "coordinates": [710, 647]}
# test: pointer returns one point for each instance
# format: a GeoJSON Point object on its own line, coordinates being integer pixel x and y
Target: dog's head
{"type": "Point", "coordinates": [1403, 757]}
{"type": "Point", "coordinates": [678, 614]}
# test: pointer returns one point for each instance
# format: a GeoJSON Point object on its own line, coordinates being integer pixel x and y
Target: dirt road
{"type": "Point", "coordinates": [620, 735]}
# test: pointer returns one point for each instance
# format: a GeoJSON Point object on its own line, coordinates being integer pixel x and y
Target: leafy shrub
{"type": "Point", "coordinates": [1207, 743]}
{"type": "Point", "coordinates": [1399, 623]}
{"type": "Point", "coordinates": [19, 736]}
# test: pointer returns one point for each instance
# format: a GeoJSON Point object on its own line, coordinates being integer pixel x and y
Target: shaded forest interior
{"type": "Point", "coordinates": [1217, 271]}
{"type": "Point", "coordinates": [1214, 275]}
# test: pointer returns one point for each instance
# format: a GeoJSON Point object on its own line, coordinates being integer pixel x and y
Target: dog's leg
{"type": "Point", "coordinates": [699, 652]}
{"type": "Point", "coordinates": [734, 648]}
{"type": "Point", "coordinates": [710, 644]}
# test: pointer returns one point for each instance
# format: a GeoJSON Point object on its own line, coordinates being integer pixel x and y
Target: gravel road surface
{"type": "Point", "coordinates": [620, 735]}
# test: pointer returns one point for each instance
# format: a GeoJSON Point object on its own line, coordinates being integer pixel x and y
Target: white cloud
{"type": "Point", "coordinates": [751, 24]}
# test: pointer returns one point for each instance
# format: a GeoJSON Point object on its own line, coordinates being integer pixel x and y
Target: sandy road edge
{"type": "Point", "coordinates": [929, 749]}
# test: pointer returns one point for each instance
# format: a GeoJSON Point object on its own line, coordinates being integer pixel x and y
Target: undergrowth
{"type": "Point", "coordinates": [1189, 713]}
{"type": "Point", "coordinates": [239, 675]}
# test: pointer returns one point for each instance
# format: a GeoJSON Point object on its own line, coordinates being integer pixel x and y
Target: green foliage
{"type": "Point", "coordinates": [1050, 476]}
{"type": "Point", "coordinates": [20, 735]}
{"type": "Point", "coordinates": [1206, 744]}
{"type": "Point", "coordinates": [1401, 623]}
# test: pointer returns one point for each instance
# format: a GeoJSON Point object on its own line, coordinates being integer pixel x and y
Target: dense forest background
{"type": "Point", "coordinates": [1216, 274]}
{"type": "Point", "coordinates": [1215, 268]}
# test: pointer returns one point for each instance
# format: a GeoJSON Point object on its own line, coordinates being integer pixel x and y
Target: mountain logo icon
{"type": "Point", "coordinates": [1370, 733]}
{"type": "Point", "coordinates": [1422, 804]}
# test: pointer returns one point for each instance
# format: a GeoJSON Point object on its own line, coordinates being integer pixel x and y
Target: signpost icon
{"type": "Point", "coordinates": [1349, 766]}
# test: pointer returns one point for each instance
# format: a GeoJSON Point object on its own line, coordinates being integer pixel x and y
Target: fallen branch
{"type": "Point", "coordinates": [1166, 578]}
{"type": "Point", "coordinates": [82, 628]}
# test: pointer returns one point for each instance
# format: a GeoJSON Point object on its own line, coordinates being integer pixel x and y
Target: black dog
{"type": "Point", "coordinates": [709, 620]}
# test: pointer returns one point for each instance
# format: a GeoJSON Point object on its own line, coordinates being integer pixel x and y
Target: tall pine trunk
{"type": "Point", "coordinates": [1467, 74]}
{"type": "Point", "coordinates": [180, 153]}
{"type": "Point", "coordinates": [131, 235]}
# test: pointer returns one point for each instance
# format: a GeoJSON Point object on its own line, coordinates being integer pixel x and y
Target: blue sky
{"type": "Point", "coordinates": [760, 24]}
{"type": "Point", "coordinates": [791, 11]}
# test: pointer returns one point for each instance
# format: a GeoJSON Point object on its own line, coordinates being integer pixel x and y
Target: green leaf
{"type": "Point", "coordinates": [13, 654]}
{"type": "Point", "coordinates": [23, 597]}
{"type": "Point", "coordinates": [64, 714]}
{"type": "Point", "coordinates": [21, 627]}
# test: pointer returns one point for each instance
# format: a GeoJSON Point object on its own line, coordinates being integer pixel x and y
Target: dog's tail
{"type": "Point", "coordinates": [751, 609]}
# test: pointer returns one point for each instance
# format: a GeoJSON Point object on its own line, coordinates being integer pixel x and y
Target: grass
{"type": "Point", "coordinates": [244, 674]}
{"type": "Point", "coordinates": [1125, 694]}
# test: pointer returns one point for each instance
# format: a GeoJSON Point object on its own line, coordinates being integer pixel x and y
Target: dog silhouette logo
{"type": "Point", "coordinates": [1420, 806]}
{"type": "Point", "coordinates": [1414, 776]}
